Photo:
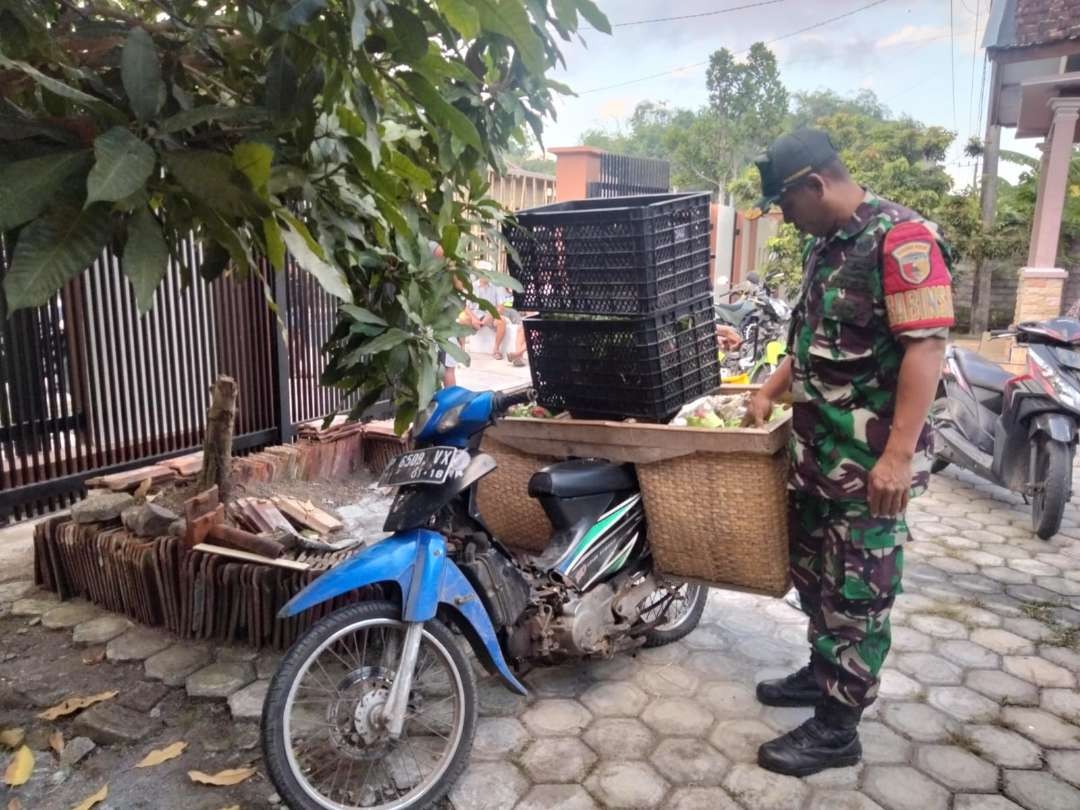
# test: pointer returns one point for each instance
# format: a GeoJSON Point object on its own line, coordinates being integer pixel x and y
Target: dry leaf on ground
{"type": "Point", "coordinates": [230, 776]}
{"type": "Point", "coordinates": [20, 767]}
{"type": "Point", "coordinates": [56, 742]}
{"type": "Point", "coordinates": [72, 705]}
{"type": "Point", "coordinates": [12, 737]}
{"type": "Point", "coordinates": [94, 657]}
{"type": "Point", "coordinates": [14, 804]}
{"type": "Point", "coordinates": [90, 801]}
{"type": "Point", "coordinates": [162, 755]}
{"type": "Point", "coordinates": [143, 488]}
{"type": "Point", "coordinates": [231, 807]}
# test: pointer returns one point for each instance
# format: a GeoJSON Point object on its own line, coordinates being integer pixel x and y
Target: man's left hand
{"type": "Point", "coordinates": [889, 483]}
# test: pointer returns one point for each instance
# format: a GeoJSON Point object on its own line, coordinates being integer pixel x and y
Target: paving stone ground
{"type": "Point", "coordinates": [980, 708]}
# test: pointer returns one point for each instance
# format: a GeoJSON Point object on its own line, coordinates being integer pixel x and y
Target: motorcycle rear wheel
{"type": "Point", "coordinates": [683, 616]}
{"type": "Point", "coordinates": [333, 683]}
{"type": "Point", "coordinates": [1053, 466]}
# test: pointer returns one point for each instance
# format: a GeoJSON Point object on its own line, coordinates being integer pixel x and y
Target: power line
{"type": "Point", "coordinates": [693, 16]}
{"type": "Point", "coordinates": [952, 62]}
{"type": "Point", "coordinates": [737, 53]}
{"type": "Point", "coordinates": [974, 54]}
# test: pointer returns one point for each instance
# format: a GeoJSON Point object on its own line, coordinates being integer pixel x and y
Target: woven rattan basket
{"type": "Point", "coordinates": [715, 500]}
{"type": "Point", "coordinates": [720, 518]}
{"type": "Point", "coordinates": [503, 498]}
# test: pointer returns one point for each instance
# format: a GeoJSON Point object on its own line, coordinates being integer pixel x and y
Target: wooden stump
{"type": "Point", "coordinates": [217, 444]}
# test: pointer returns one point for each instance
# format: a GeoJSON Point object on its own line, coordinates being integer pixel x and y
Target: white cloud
{"type": "Point", "coordinates": [912, 35]}
{"type": "Point", "coordinates": [614, 108]}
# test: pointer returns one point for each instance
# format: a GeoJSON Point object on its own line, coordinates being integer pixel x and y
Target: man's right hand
{"type": "Point", "coordinates": [758, 409]}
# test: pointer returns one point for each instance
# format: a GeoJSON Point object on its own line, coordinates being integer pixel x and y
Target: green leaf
{"type": "Point", "coordinates": [253, 160]}
{"type": "Point", "coordinates": [499, 279]}
{"type": "Point", "coordinates": [30, 185]}
{"type": "Point", "coordinates": [597, 19]}
{"type": "Point", "coordinates": [330, 278]}
{"type": "Point", "coordinates": [358, 27]}
{"type": "Point", "coordinates": [281, 85]}
{"type": "Point", "coordinates": [123, 165]}
{"type": "Point", "coordinates": [462, 16]}
{"type": "Point", "coordinates": [441, 112]}
{"type": "Point", "coordinates": [146, 257]}
{"type": "Point", "coordinates": [302, 229]}
{"type": "Point", "coordinates": [453, 349]}
{"type": "Point", "coordinates": [387, 340]}
{"type": "Point", "coordinates": [61, 89]}
{"type": "Point", "coordinates": [566, 13]}
{"type": "Point", "coordinates": [187, 119]}
{"type": "Point", "coordinates": [140, 71]}
{"type": "Point", "coordinates": [361, 315]}
{"type": "Point", "coordinates": [427, 375]}
{"type": "Point", "coordinates": [275, 245]}
{"type": "Point", "coordinates": [509, 18]}
{"type": "Point", "coordinates": [412, 37]}
{"type": "Point", "coordinates": [52, 250]}
{"type": "Point", "coordinates": [299, 13]}
{"type": "Point", "coordinates": [210, 177]}
{"type": "Point", "coordinates": [403, 417]}
{"type": "Point", "coordinates": [405, 168]}
{"type": "Point", "coordinates": [451, 235]}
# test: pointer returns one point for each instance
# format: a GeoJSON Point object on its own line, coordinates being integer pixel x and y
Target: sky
{"type": "Point", "coordinates": [904, 50]}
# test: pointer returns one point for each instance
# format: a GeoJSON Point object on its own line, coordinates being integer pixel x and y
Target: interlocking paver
{"type": "Point", "coordinates": [557, 759]}
{"type": "Point", "coordinates": [918, 721]}
{"type": "Point", "coordinates": [565, 681]}
{"type": "Point", "coordinates": [615, 699]}
{"type": "Point", "coordinates": [557, 797]}
{"type": "Point", "coordinates": [1039, 671]}
{"type": "Point", "coordinates": [957, 769]}
{"type": "Point", "coordinates": [499, 738]}
{"type": "Point", "coordinates": [627, 785]}
{"type": "Point", "coordinates": [1066, 765]}
{"type": "Point", "coordinates": [488, 786]}
{"type": "Point", "coordinates": [1044, 728]}
{"type": "Point", "coordinates": [929, 669]}
{"type": "Point", "coordinates": [1003, 747]}
{"type": "Point", "coordinates": [898, 686]}
{"type": "Point", "coordinates": [969, 655]}
{"type": "Point", "coordinates": [729, 699]}
{"type": "Point", "coordinates": [881, 745]}
{"type": "Point", "coordinates": [556, 717]}
{"type": "Point", "coordinates": [620, 738]}
{"type": "Point", "coordinates": [678, 717]}
{"type": "Point", "coordinates": [1041, 790]}
{"type": "Point", "coordinates": [738, 740]}
{"type": "Point", "coordinates": [842, 800]}
{"type": "Point", "coordinates": [688, 761]}
{"type": "Point", "coordinates": [758, 789]}
{"type": "Point", "coordinates": [701, 798]}
{"type": "Point", "coordinates": [1003, 642]}
{"type": "Point", "coordinates": [962, 703]}
{"type": "Point", "coordinates": [669, 680]}
{"type": "Point", "coordinates": [899, 787]}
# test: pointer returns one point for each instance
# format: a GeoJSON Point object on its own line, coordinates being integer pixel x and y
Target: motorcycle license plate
{"type": "Point", "coordinates": [431, 465]}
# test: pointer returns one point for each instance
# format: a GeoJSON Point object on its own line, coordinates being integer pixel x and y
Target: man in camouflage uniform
{"type": "Point", "coordinates": [866, 345]}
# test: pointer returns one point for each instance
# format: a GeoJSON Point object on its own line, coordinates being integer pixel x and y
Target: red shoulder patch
{"type": "Point", "coordinates": [918, 289]}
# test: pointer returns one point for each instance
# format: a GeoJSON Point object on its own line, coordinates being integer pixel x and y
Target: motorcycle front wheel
{"type": "Point", "coordinates": [324, 739]}
{"type": "Point", "coordinates": [1053, 467]}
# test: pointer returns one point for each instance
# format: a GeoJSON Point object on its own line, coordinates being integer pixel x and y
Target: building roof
{"type": "Point", "coordinates": [1029, 23]}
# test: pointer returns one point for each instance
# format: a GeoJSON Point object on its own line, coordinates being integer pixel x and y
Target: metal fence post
{"type": "Point", "coordinates": [281, 355]}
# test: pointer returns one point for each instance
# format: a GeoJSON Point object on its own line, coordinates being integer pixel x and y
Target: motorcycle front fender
{"type": "Point", "coordinates": [416, 561]}
{"type": "Point", "coordinates": [1056, 426]}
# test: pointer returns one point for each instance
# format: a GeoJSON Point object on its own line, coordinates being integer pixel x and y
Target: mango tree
{"type": "Point", "coordinates": [351, 134]}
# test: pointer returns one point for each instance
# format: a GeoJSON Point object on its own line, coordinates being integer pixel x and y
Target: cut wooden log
{"type": "Point", "coordinates": [186, 466]}
{"type": "Point", "coordinates": [245, 541]}
{"type": "Point", "coordinates": [264, 515]}
{"type": "Point", "coordinates": [236, 554]}
{"type": "Point", "coordinates": [308, 516]}
{"type": "Point", "coordinates": [217, 444]}
{"type": "Point", "coordinates": [125, 481]}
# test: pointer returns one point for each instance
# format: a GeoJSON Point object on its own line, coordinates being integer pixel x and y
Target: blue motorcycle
{"type": "Point", "coordinates": [375, 705]}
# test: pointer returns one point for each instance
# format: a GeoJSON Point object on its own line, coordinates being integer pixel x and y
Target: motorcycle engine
{"type": "Point", "coordinates": [586, 624]}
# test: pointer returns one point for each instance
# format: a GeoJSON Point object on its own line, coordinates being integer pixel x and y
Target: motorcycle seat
{"type": "Point", "coordinates": [981, 372]}
{"type": "Point", "coordinates": [575, 479]}
{"type": "Point", "coordinates": [734, 313]}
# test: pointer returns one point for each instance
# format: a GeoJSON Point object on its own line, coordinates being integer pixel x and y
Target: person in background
{"type": "Point", "coordinates": [476, 317]}
{"type": "Point", "coordinates": [866, 343]}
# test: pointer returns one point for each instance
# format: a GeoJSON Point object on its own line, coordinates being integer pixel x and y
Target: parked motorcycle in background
{"type": "Point", "coordinates": [1019, 432]}
{"type": "Point", "coordinates": [762, 322]}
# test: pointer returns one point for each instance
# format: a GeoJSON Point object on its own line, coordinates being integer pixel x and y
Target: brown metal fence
{"type": "Point", "coordinates": [621, 175]}
{"type": "Point", "coordinates": [87, 386]}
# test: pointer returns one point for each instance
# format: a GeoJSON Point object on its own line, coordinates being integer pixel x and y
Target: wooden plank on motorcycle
{"type": "Point", "coordinates": [292, 565]}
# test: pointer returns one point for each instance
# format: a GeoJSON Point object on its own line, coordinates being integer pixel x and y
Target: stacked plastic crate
{"type": "Point", "coordinates": [626, 326]}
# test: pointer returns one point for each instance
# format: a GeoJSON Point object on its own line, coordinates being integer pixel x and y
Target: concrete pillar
{"type": "Point", "coordinates": [575, 168]}
{"type": "Point", "coordinates": [1038, 296]}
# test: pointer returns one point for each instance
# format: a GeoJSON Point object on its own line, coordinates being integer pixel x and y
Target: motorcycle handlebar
{"type": "Point", "coordinates": [504, 401]}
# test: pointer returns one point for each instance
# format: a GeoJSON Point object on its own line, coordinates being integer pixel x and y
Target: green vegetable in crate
{"type": "Point", "coordinates": [721, 411]}
{"type": "Point", "coordinates": [529, 411]}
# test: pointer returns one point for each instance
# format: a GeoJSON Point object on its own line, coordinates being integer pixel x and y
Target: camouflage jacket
{"type": "Point", "coordinates": [881, 276]}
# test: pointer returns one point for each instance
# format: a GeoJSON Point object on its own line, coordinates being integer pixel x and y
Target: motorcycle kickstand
{"type": "Point", "coordinates": [397, 702]}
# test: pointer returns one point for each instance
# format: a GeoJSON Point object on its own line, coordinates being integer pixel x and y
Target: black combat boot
{"type": "Point", "coordinates": [829, 739]}
{"type": "Point", "coordinates": [797, 689]}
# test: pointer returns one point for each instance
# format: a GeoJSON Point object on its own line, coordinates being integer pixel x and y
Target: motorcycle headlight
{"type": "Point", "coordinates": [421, 422]}
{"type": "Point", "coordinates": [450, 419]}
{"type": "Point", "coordinates": [1064, 387]}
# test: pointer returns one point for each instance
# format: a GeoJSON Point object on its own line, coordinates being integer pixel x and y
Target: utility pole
{"type": "Point", "coordinates": [980, 297]}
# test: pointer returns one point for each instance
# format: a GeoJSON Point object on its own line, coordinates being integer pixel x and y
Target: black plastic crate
{"type": "Point", "coordinates": [613, 256]}
{"type": "Point", "coordinates": [617, 368]}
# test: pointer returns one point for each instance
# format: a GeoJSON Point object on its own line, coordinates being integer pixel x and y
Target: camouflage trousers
{"type": "Point", "coordinates": [847, 567]}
